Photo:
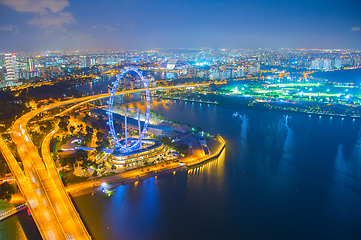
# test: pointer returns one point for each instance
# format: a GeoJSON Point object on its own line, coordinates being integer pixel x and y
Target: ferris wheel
{"type": "Point", "coordinates": [133, 144]}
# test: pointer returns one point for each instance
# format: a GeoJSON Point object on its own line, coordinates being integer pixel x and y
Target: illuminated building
{"type": "Point", "coordinates": [240, 71]}
{"type": "Point", "coordinates": [12, 74]}
{"type": "Point", "coordinates": [252, 70]}
{"type": "Point", "coordinates": [321, 64]}
{"type": "Point", "coordinates": [31, 64]}
{"type": "Point", "coordinates": [2, 75]}
{"type": "Point", "coordinates": [151, 149]}
{"type": "Point", "coordinates": [326, 64]}
{"type": "Point", "coordinates": [82, 63]}
{"type": "Point", "coordinates": [29, 75]}
{"type": "Point", "coordinates": [174, 64]}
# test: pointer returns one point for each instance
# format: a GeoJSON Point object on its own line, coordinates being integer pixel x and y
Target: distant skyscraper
{"type": "Point", "coordinates": [92, 62]}
{"type": "Point", "coordinates": [321, 64]}
{"type": "Point", "coordinates": [326, 64]}
{"type": "Point", "coordinates": [43, 72]}
{"type": "Point", "coordinates": [240, 71]}
{"type": "Point", "coordinates": [12, 73]}
{"type": "Point", "coordinates": [315, 64]}
{"type": "Point", "coordinates": [31, 64]}
{"type": "Point", "coordinates": [2, 75]}
{"type": "Point", "coordinates": [252, 70]}
{"type": "Point", "coordinates": [337, 63]}
{"type": "Point", "coordinates": [82, 63]}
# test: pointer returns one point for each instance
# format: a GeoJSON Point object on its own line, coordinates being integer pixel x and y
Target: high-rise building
{"type": "Point", "coordinates": [92, 62]}
{"type": "Point", "coordinates": [337, 63]}
{"type": "Point", "coordinates": [321, 64]}
{"type": "Point", "coordinates": [315, 64]}
{"type": "Point", "coordinates": [252, 70]}
{"type": "Point", "coordinates": [12, 74]}
{"type": "Point", "coordinates": [82, 63]}
{"type": "Point", "coordinates": [43, 72]}
{"type": "Point", "coordinates": [31, 64]}
{"type": "Point", "coordinates": [326, 64]}
{"type": "Point", "coordinates": [240, 71]}
{"type": "Point", "coordinates": [2, 75]}
{"type": "Point", "coordinates": [214, 74]}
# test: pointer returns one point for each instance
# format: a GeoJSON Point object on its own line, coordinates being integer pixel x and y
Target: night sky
{"type": "Point", "coordinates": [42, 25]}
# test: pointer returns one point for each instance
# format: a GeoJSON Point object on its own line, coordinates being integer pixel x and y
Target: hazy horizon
{"type": "Point", "coordinates": [62, 25]}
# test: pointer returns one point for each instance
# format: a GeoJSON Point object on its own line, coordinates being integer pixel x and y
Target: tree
{"type": "Point", "coordinates": [62, 161]}
{"type": "Point", "coordinates": [71, 161]}
{"type": "Point", "coordinates": [2, 166]}
{"type": "Point", "coordinates": [63, 125]}
{"type": "Point", "coordinates": [6, 191]}
{"type": "Point", "coordinates": [72, 128]}
{"type": "Point", "coordinates": [67, 161]}
{"type": "Point", "coordinates": [89, 130]}
{"type": "Point", "coordinates": [95, 125]}
{"type": "Point", "coordinates": [100, 135]}
{"type": "Point", "coordinates": [81, 127]}
{"type": "Point", "coordinates": [99, 147]}
{"type": "Point", "coordinates": [95, 172]}
{"type": "Point", "coordinates": [88, 137]}
{"type": "Point", "coordinates": [42, 128]}
{"type": "Point", "coordinates": [101, 144]}
{"type": "Point", "coordinates": [81, 155]}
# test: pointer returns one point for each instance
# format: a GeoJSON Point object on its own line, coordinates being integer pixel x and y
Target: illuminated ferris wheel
{"type": "Point", "coordinates": [133, 144]}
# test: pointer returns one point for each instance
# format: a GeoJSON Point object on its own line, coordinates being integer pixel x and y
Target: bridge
{"type": "Point", "coordinates": [13, 211]}
{"type": "Point", "coordinates": [39, 181]}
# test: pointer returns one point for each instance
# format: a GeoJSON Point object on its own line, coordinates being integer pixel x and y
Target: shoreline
{"type": "Point", "coordinates": [124, 181]}
{"type": "Point", "coordinates": [263, 108]}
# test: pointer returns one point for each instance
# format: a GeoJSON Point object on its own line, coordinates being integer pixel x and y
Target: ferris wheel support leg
{"type": "Point", "coordinates": [140, 146]}
{"type": "Point", "coordinates": [126, 128]}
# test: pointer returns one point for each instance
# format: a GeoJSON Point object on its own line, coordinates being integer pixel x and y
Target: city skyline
{"type": "Point", "coordinates": [58, 25]}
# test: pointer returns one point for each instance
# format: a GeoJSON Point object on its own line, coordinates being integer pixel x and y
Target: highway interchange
{"type": "Point", "coordinates": [39, 181]}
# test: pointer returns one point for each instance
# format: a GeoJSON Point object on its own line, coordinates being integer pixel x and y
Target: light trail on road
{"type": "Point", "coordinates": [51, 207]}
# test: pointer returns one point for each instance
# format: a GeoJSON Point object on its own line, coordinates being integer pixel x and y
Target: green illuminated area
{"type": "Point", "coordinates": [321, 92]}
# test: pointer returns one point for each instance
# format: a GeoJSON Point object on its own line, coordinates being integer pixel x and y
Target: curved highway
{"type": "Point", "coordinates": [41, 186]}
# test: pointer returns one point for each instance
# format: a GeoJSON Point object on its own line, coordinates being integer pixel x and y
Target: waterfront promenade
{"type": "Point", "coordinates": [145, 172]}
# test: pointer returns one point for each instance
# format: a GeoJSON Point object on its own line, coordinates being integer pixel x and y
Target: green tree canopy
{"type": "Point", "coordinates": [6, 191]}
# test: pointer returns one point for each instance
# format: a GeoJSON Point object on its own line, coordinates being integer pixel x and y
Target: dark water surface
{"type": "Point", "coordinates": [341, 76]}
